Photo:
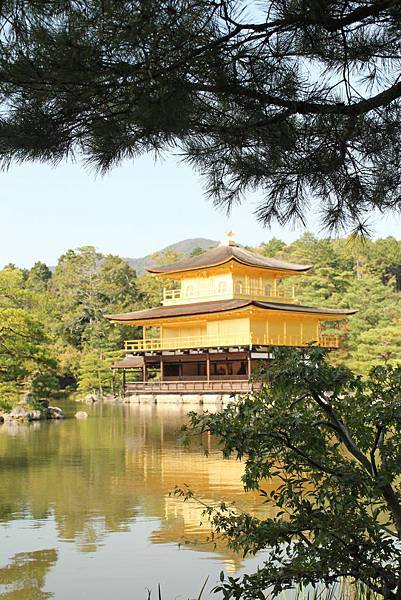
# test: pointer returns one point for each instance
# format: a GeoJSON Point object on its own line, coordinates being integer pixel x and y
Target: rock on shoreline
{"type": "Point", "coordinates": [22, 414]}
{"type": "Point", "coordinates": [97, 398]}
{"type": "Point", "coordinates": [81, 414]}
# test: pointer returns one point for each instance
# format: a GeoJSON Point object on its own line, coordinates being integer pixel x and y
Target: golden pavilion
{"type": "Point", "coordinates": [229, 306]}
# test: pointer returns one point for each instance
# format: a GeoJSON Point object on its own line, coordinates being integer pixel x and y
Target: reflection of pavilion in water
{"type": "Point", "coordinates": [185, 524]}
{"type": "Point", "coordinates": [210, 478]}
{"type": "Point", "coordinates": [97, 477]}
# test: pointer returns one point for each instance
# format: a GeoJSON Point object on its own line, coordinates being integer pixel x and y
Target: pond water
{"type": "Point", "coordinates": [85, 510]}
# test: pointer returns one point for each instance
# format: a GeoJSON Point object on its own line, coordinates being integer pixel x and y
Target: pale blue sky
{"type": "Point", "coordinates": [136, 209]}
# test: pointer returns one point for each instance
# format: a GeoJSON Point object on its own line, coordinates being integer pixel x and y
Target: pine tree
{"type": "Point", "coordinates": [95, 374]}
{"type": "Point", "coordinates": [300, 100]}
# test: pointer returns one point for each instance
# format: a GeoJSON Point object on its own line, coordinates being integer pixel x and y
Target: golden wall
{"type": "Point", "coordinates": [276, 329]}
{"type": "Point", "coordinates": [230, 329]}
{"type": "Point", "coordinates": [288, 328]}
{"type": "Point", "coordinates": [226, 282]}
{"type": "Point", "coordinates": [197, 288]}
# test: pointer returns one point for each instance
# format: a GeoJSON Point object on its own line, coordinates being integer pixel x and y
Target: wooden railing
{"type": "Point", "coordinates": [204, 341]}
{"type": "Point", "coordinates": [330, 341]}
{"type": "Point", "coordinates": [178, 296]}
{"type": "Point", "coordinates": [196, 341]}
{"type": "Point", "coordinates": [169, 296]}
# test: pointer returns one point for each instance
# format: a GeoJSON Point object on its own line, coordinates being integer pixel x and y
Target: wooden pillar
{"type": "Point", "coordinates": [249, 366]}
{"type": "Point", "coordinates": [161, 368]}
{"type": "Point", "coordinates": [208, 367]}
{"type": "Point", "coordinates": [124, 383]}
{"type": "Point", "coordinates": [144, 372]}
{"type": "Point", "coordinates": [113, 387]}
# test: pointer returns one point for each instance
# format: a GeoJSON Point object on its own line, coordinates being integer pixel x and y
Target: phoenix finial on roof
{"type": "Point", "coordinates": [230, 238]}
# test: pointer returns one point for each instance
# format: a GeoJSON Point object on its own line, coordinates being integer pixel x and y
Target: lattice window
{"type": "Point", "coordinates": [222, 287]}
{"type": "Point", "coordinates": [239, 287]}
{"type": "Point", "coordinates": [189, 291]}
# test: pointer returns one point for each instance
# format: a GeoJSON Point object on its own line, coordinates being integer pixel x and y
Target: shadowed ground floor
{"type": "Point", "coordinates": [215, 371]}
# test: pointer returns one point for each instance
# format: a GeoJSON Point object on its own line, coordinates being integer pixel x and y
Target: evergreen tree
{"type": "Point", "coordinates": [95, 375]}
{"type": "Point", "coordinates": [26, 360]}
{"type": "Point", "coordinates": [87, 285]}
{"type": "Point", "coordinates": [378, 345]}
{"type": "Point", "coordinates": [322, 446]}
{"type": "Point", "coordinates": [152, 287]}
{"type": "Point", "coordinates": [78, 299]}
{"type": "Point", "coordinates": [39, 276]}
{"type": "Point", "coordinates": [272, 247]}
{"type": "Point", "coordinates": [385, 260]}
{"type": "Point", "coordinates": [300, 100]}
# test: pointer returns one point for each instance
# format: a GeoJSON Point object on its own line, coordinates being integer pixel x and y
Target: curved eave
{"type": "Point", "coordinates": [208, 309]}
{"type": "Point", "coordinates": [134, 362]}
{"type": "Point", "coordinates": [161, 273]}
{"type": "Point", "coordinates": [181, 311]}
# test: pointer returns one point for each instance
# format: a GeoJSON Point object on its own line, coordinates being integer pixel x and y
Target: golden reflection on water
{"type": "Point", "coordinates": [100, 476]}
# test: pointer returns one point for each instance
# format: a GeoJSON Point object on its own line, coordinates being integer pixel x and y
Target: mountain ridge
{"type": "Point", "coordinates": [183, 247]}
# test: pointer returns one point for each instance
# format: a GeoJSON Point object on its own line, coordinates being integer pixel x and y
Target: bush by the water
{"type": "Point", "coordinates": [322, 446]}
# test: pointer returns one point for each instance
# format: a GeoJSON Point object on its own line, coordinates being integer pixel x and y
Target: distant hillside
{"type": "Point", "coordinates": [184, 247]}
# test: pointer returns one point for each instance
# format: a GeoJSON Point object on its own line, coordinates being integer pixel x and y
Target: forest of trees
{"type": "Point", "coordinates": [54, 338]}
{"type": "Point", "coordinates": [353, 273]}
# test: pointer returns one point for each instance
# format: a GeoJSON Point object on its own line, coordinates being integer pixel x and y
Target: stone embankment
{"type": "Point", "coordinates": [179, 398]}
{"type": "Point", "coordinates": [161, 398]}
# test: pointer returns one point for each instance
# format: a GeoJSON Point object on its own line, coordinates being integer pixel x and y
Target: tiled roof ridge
{"type": "Point", "coordinates": [222, 254]}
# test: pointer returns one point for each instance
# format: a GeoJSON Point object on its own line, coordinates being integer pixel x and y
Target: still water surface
{"type": "Point", "coordinates": [85, 510]}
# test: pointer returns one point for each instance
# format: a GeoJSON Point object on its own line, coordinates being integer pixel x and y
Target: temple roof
{"type": "Point", "coordinates": [217, 306]}
{"type": "Point", "coordinates": [129, 362]}
{"type": "Point", "coordinates": [222, 254]}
